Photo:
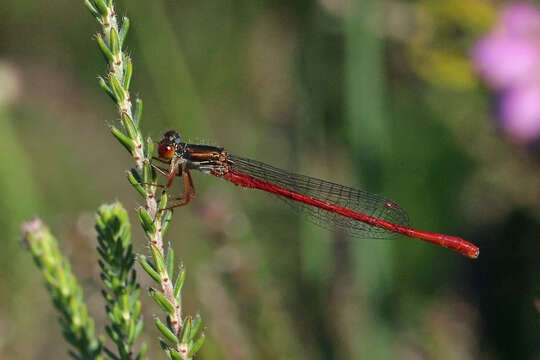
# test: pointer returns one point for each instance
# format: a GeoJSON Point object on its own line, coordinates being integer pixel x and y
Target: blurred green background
{"type": "Point", "coordinates": [377, 95]}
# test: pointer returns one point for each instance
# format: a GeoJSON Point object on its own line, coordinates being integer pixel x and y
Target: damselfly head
{"type": "Point", "coordinates": [168, 144]}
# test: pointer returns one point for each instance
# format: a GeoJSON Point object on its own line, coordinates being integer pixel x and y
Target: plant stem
{"type": "Point", "coordinates": [153, 218]}
{"type": "Point", "coordinates": [67, 294]}
{"type": "Point", "coordinates": [123, 306]}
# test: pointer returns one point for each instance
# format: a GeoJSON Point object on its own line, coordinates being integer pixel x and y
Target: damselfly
{"type": "Point", "coordinates": [327, 204]}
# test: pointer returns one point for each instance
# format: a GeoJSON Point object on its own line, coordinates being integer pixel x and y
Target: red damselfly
{"type": "Point", "coordinates": [327, 204]}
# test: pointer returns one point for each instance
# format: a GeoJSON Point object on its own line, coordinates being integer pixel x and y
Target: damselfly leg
{"type": "Point", "coordinates": [173, 171]}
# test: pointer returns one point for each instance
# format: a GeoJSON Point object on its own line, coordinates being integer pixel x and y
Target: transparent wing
{"type": "Point", "coordinates": [356, 200]}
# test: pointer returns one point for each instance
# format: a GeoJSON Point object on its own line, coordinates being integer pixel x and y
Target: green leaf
{"type": "Point", "coordinates": [163, 202]}
{"type": "Point", "coordinates": [195, 326]}
{"type": "Point", "coordinates": [128, 70]}
{"type": "Point", "coordinates": [165, 220]}
{"type": "Point", "coordinates": [165, 347]}
{"type": "Point", "coordinates": [137, 307]}
{"type": "Point", "coordinates": [92, 9]}
{"type": "Point", "coordinates": [136, 173]}
{"type": "Point", "coordinates": [124, 30]}
{"type": "Point", "coordinates": [129, 126]}
{"type": "Point", "coordinates": [138, 113]}
{"type": "Point", "coordinates": [149, 150]}
{"type": "Point", "coordinates": [165, 331]}
{"type": "Point", "coordinates": [133, 181]}
{"type": "Point", "coordinates": [158, 259]}
{"type": "Point", "coordinates": [138, 328]}
{"type": "Point", "coordinates": [186, 329]}
{"type": "Point", "coordinates": [142, 353]}
{"type": "Point", "coordinates": [101, 6]}
{"type": "Point", "coordinates": [130, 333]}
{"type": "Point", "coordinates": [170, 262]}
{"type": "Point", "coordinates": [179, 281]}
{"type": "Point", "coordinates": [161, 301]}
{"type": "Point", "coordinates": [114, 42]}
{"type": "Point", "coordinates": [124, 140]}
{"type": "Point", "coordinates": [116, 88]}
{"type": "Point", "coordinates": [146, 222]}
{"type": "Point", "coordinates": [149, 268]}
{"type": "Point", "coordinates": [197, 346]}
{"type": "Point", "coordinates": [104, 49]}
{"type": "Point", "coordinates": [103, 84]}
{"type": "Point", "coordinates": [113, 335]}
{"type": "Point", "coordinates": [147, 170]}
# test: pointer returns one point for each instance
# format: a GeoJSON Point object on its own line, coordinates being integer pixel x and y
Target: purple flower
{"type": "Point", "coordinates": [504, 60]}
{"type": "Point", "coordinates": [520, 112]}
{"type": "Point", "coordinates": [520, 19]}
{"type": "Point", "coordinates": [508, 58]}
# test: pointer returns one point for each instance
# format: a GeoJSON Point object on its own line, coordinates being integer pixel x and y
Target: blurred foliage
{"type": "Point", "coordinates": [379, 96]}
{"type": "Point", "coordinates": [445, 30]}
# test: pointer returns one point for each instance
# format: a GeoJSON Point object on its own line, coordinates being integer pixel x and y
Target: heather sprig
{"type": "Point", "coordinates": [116, 83]}
{"type": "Point", "coordinates": [181, 336]}
{"type": "Point", "coordinates": [121, 295]}
{"type": "Point", "coordinates": [66, 293]}
{"type": "Point", "coordinates": [180, 333]}
{"type": "Point", "coordinates": [122, 290]}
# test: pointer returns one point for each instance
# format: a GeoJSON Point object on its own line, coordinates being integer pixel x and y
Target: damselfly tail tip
{"type": "Point", "coordinates": [473, 252]}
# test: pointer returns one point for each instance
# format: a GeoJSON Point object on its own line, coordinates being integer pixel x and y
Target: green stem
{"type": "Point", "coordinates": [67, 294]}
{"type": "Point", "coordinates": [117, 272]}
{"type": "Point", "coordinates": [152, 217]}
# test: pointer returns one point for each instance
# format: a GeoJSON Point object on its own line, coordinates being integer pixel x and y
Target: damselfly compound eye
{"type": "Point", "coordinates": [172, 136]}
